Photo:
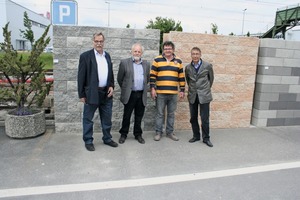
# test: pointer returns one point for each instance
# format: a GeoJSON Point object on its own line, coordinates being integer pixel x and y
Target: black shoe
{"type": "Point", "coordinates": [111, 143]}
{"type": "Point", "coordinates": [208, 143]}
{"type": "Point", "coordinates": [140, 139]}
{"type": "Point", "coordinates": [122, 139]}
{"type": "Point", "coordinates": [90, 147]}
{"type": "Point", "coordinates": [194, 140]}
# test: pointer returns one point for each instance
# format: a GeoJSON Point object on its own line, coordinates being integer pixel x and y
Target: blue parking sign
{"type": "Point", "coordinates": [64, 12]}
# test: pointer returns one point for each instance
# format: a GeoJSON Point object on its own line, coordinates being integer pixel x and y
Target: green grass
{"type": "Point", "coordinates": [47, 58]}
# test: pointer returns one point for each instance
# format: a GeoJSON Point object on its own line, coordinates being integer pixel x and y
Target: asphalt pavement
{"type": "Point", "coordinates": [244, 164]}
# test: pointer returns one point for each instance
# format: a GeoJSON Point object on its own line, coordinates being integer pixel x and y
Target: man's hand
{"type": "Point", "coordinates": [110, 91]}
{"type": "Point", "coordinates": [153, 93]}
{"type": "Point", "coordinates": [83, 100]}
{"type": "Point", "coordinates": [181, 95]}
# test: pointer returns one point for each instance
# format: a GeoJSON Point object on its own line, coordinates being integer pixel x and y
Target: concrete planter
{"type": "Point", "coordinates": [26, 126]}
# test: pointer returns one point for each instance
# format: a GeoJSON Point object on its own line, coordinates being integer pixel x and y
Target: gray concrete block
{"type": "Point", "coordinates": [276, 122]}
{"type": "Point", "coordinates": [272, 43]}
{"type": "Point", "coordinates": [294, 89]}
{"type": "Point", "coordinates": [259, 122]}
{"type": "Point", "coordinates": [295, 71]}
{"type": "Point", "coordinates": [267, 52]}
{"type": "Point", "coordinates": [259, 96]}
{"type": "Point", "coordinates": [270, 61]}
{"type": "Point", "coordinates": [287, 97]}
{"type": "Point", "coordinates": [264, 114]}
{"type": "Point", "coordinates": [284, 53]}
{"type": "Point", "coordinates": [292, 121]}
{"type": "Point", "coordinates": [278, 105]}
{"type": "Point", "coordinates": [276, 88]}
{"type": "Point", "coordinates": [268, 79]}
{"type": "Point", "coordinates": [293, 105]}
{"type": "Point", "coordinates": [263, 87]}
{"type": "Point", "coordinates": [285, 114]}
{"type": "Point", "coordinates": [297, 53]}
{"type": "Point", "coordinates": [282, 71]}
{"type": "Point", "coordinates": [290, 80]}
{"type": "Point", "coordinates": [291, 62]}
{"type": "Point", "coordinates": [296, 113]}
{"type": "Point", "coordinates": [261, 105]}
{"type": "Point", "coordinates": [264, 70]}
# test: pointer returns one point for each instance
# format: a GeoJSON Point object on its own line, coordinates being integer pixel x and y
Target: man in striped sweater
{"type": "Point", "coordinates": [165, 76]}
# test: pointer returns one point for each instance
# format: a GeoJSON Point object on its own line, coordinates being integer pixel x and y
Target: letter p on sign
{"type": "Point", "coordinates": [64, 12]}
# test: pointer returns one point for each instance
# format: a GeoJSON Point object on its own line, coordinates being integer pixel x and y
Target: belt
{"type": "Point", "coordinates": [137, 91]}
{"type": "Point", "coordinates": [101, 88]}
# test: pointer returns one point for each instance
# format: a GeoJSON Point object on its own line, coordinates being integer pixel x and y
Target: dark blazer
{"type": "Point", "coordinates": [125, 79]}
{"type": "Point", "coordinates": [199, 83]}
{"type": "Point", "coordinates": [87, 79]}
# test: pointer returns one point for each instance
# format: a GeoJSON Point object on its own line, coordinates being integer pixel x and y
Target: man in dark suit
{"type": "Point", "coordinates": [95, 90]}
{"type": "Point", "coordinates": [133, 77]}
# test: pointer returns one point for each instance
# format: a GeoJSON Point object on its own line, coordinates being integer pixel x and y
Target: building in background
{"type": "Point", "coordinates": [14, 14]}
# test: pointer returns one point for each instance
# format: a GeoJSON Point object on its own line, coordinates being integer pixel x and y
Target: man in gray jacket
{"type": "Point", "coordinates": [199, 77]}
{"type": "Point", "coordinates": [133, 77]}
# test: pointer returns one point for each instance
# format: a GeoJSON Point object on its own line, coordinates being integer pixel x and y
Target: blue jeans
{"type": "Point", "coordinates": [163, 101]}
{"type": "Point", "coordinates": [204, 114]}
{"type": "Point", "coordinates": [105, 113]}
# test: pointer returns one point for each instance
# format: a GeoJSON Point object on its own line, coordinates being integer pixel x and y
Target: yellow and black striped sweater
{"type": "Point", "coordinates": [166, 76]}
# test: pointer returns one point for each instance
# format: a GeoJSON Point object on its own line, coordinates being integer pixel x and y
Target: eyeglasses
{"type": "Point", "coordinates": [99, 41]}
{"type": "Point", "coordinates": [166, 49]}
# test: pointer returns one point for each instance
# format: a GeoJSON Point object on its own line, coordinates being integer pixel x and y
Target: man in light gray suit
{"type": "Point", "coordinates": [199, 76]}
{"type": "Point", "coordinates": [133, 77]}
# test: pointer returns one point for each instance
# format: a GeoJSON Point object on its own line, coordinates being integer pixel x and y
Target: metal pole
{"type": "Point", "coordinates": [108, 12]}
{"type": "Point", "coordinates": [243, 20]}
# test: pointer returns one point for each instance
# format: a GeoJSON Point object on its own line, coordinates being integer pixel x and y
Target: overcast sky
{"type": "Point", "coordinates": [194, 15]}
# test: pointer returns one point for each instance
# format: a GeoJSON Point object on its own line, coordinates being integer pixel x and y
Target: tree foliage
{"type": "Point", "coordinates": [26, 84]}
{"type": "Point", "coordinates": [165, 25]}
{"type": "Point", "coordinates": [214, 28]}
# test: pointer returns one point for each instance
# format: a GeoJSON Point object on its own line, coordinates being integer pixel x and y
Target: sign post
{"type": "Point", "coordinates": [64, 12]}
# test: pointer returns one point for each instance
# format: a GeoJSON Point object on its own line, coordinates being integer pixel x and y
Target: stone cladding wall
{"type": "Point", "coordinates": [234, 62]}
{"type": "Point", "coordinates": [277, 90]}
{"type": "Point", "coordinates": [69, 42]}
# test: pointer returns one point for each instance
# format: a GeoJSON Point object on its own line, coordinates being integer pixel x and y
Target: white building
{"type": "Point", "coordinates": [14, 14]}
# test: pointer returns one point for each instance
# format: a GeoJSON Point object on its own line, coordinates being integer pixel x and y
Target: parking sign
{"type": "Point", "coordinates": [64, 12]}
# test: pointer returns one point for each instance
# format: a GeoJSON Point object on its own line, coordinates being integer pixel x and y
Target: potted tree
{"type": "Point", "coordinates": [25, 84]}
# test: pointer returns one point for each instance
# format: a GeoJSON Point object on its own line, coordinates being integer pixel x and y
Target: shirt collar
{"type": "Point", "coordinates": [174, 56]}
{"type": "Point", "coordinates": [198, 64]}
{"type": "Point", "coordinates": [140, 61]}
{"type": "Point", "coordinates": [96, 53]}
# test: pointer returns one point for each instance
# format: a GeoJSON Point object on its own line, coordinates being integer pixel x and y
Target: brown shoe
{"type": "Point", "coordinates": [157, 137]}
{"type": "Point", "coordinates": [172, 136]}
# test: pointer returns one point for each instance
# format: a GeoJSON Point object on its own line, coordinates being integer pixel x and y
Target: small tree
{"type": "Point", "coordinates": [214, 28]}
{"type": "Point", "coordinates": [165, 25]}
{"type": "Point", "coordinates": [26, 83]}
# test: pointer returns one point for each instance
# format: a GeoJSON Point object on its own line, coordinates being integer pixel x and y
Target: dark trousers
{"type": "Point", "coordinates": [204, 114]}
{"type": "Point", "coordinates": [135, 103]}
{"type": "Point", "coordinates": [105, 112]}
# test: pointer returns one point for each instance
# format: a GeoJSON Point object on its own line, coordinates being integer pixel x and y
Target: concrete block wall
{"type": "Point", "coordinates": [277, 86]}
{"type": "Point", "coordinates": [69, 42]}
{"type": "Point", "coordinates": [234, 62]}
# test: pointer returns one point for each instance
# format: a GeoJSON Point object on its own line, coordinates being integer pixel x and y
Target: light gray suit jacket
{"type": "Point", "coordinates": [199, 83]}
{"type": "Point", "coordinates": [125, 79]}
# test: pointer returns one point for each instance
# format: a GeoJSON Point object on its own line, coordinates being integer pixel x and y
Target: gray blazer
{"type": "Point", "coordinates": [199, 83]}
{"type": "Point", "coordinates": [125, 79]}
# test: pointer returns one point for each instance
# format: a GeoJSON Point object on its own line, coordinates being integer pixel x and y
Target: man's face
{"type": "Point", "coordinates": [168, 51]}
{"type": "Point", "coordinates": [137, 52]}
{"type": "Point", "coordinates": [99, 43]}
{"type": "Point", "coordinates": [196, 55]}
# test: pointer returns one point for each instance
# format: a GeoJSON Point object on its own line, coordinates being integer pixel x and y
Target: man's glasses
{"type": "Point", "coordinates": [99, 41]}
{"type": "Point", "coordinates": [166, 49]}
